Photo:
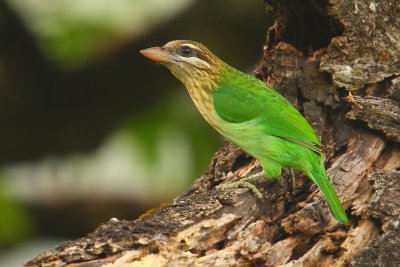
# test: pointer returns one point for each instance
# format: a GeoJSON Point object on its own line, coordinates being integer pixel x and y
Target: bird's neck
{"type": "Point", "coordinates": [201, 84]}
{"type": "Point", "coordinates": [200, 91]}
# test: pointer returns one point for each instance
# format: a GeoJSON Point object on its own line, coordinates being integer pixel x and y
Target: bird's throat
{"type": "Point", "coordinates": [201, 94]}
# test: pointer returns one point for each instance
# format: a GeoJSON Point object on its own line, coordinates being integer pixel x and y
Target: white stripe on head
{"type": "Point", "coordinates": [199, 63]}
{"type": "Point", "coordinates": [191, 46]}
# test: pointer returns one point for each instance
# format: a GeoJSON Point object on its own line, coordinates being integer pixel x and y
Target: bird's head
{"type": "Point", "coordinates": [189, 61]}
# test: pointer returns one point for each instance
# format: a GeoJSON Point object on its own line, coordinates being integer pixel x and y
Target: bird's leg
{"type": "Point", "coordinates": [246, 182]}
{"type": "Point", "coordinates": [291, 178]}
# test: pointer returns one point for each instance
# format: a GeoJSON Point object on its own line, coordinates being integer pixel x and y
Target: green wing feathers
{"type": "Point", "coordinates": [250, 99]}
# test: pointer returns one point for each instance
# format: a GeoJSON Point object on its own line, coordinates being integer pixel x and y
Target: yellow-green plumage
{"type": "Point", "coordinates": [249, 113]}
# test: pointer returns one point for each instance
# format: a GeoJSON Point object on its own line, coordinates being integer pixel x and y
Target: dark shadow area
{"type": "Point", "coordinates": [304, 24]}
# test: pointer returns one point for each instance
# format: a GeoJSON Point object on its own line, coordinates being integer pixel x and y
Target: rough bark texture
{"type": "Point", "coordinates": [314, 54]}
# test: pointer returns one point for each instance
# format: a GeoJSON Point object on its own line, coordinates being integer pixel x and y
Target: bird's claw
{"type": "Point", "coordinates": [245, 182]}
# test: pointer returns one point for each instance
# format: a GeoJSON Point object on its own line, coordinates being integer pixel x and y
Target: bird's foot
{"type": "Point", "coordinates": [246, 182]}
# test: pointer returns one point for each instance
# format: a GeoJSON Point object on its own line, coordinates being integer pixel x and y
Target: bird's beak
{"type": "Point", "coordinates": [159, 54]}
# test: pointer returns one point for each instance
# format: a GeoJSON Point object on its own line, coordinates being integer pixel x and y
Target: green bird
{"type": "Point", "coordinates": [249, 113]}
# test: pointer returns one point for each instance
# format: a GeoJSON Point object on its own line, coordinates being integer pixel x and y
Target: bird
{"type": "Point", "coordinates": [249, 113]}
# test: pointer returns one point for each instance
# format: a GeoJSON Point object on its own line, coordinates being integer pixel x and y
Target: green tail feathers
{"type": "Point", "coordinates": [318, 175]}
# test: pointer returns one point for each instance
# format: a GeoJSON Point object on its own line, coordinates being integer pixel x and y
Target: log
{"type": "Point", "coordinates": [338, 62]}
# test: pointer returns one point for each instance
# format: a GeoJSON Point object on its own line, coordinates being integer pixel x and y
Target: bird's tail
{"type": "Point", "coordinates": [318, 175]}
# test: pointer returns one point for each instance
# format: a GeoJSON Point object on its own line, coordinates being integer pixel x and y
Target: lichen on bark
{"type": "Point", "coordinates": [368, 50]}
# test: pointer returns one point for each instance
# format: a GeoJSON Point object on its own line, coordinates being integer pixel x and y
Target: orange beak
{"type": "Point", "coordinates": [158, 54]}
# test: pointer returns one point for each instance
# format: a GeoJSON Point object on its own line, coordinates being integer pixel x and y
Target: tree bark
{"type": "Point", "coordinates": [338, 61]}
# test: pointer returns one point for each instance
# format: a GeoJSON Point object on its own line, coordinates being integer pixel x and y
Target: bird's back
{"type": "Point", "coordinates": [240, 98]}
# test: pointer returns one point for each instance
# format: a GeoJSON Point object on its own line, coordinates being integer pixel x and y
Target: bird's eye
{"type": "Point", "coordinates": [187, 51]}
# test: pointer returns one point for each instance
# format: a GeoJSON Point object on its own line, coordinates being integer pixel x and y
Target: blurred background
{"type": "Point", "coordinates": [89, 128]}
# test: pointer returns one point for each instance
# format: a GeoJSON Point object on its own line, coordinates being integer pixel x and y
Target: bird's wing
{"type": "Point", "coordinates": [251, 99]}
